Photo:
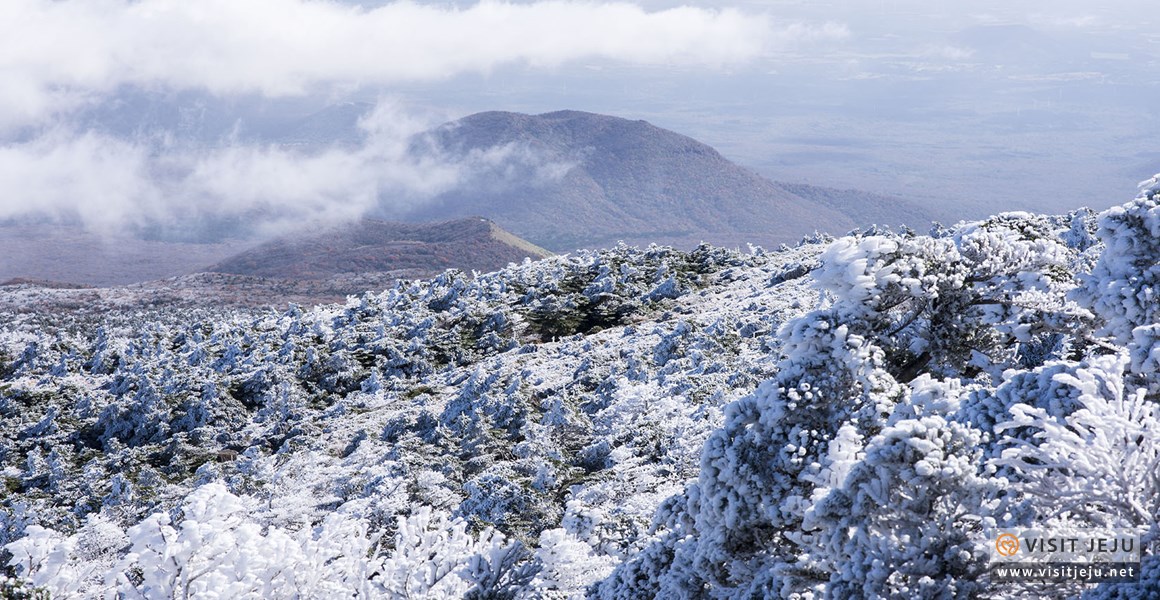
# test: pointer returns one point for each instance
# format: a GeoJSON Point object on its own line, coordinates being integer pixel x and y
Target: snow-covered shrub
{"type": "Point", "coordinates": [528, 432]}
{"type": "Point", "coordinates": [16, 589]}
{"type": "Point", "coordinates": [1098, 465]}
{"type": "Point", "coordinates": [1124, 286]}
{"type": "Point", "coordinates": [990, 295]}
{"type": "Point", "coordinates": [569, 565]}
{"type": "Point", "coordinates": [434, 556]}
{"type": "Point", "coordinates": [1144, 589]}
{"type": "Point", "coordinates": [760, 471]}
{"type": "Point", "coordinates": [908, 519]}
{"type": "Point", "coordinates": [790, 503]}
{"type": "Point", "coordinates": [215, 550]}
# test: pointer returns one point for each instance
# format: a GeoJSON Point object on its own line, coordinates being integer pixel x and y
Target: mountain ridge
{"type": "Point", "coordinates": [562, 180]}
{"type": "Point", "coordinates": [372, 246]}
{"type": "Point", "coordinates": [626, 181]}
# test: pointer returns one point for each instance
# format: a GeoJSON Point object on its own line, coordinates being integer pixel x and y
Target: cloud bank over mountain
{"type": "Point", "coordinates": [70, 60]}
{"type": "Point", "coordinates": [65, 52]}
{"type": "Point", "coordinates": [109, 183]}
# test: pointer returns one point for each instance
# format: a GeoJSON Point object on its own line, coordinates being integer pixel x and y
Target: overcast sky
{"type": "Point", "coordinates": [982, 106]}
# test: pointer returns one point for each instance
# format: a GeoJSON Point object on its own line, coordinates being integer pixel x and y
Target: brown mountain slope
{"type": "Point", "coordinates": [574, 179]}
{"type": "Point", "coordinates": [371, 245]}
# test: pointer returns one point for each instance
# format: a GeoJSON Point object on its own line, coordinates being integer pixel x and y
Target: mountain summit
{"type": "Point", "coordinates": [569, 179]}
{"type": "Point", "coordinates": [562, 180]}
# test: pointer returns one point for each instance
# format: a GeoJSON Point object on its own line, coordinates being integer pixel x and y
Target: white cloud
{"type": "Point", "coordinates": [109, 183]}
{"type": "Point", "coordinates": [97, 179]}
{"type": "Point", "coordinates": [947, 52]}
{"type": "Point", "coordinates": [60, 55]}
{"type": "Point", "coordinates": [57, 52]}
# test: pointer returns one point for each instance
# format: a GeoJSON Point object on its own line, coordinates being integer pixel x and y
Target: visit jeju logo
{"type": "Point", "coordinates": [1007, 545]}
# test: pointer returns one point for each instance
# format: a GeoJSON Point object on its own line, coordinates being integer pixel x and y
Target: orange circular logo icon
{"type": "Point", "coordinates": [1007, 545]}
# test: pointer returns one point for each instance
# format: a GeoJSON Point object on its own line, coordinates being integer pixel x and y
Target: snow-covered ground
{"type": "Point", "coordinates": [830, 420]}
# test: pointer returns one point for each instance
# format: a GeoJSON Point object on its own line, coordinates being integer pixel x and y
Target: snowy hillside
{"type": "Point", "coordinates": [830, 420]}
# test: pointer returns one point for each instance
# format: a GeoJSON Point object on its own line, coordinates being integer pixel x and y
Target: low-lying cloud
{"type": "Point", "coordinates": [111, 185]}
{"type": "Point", "coordinates": [59, 53]}
{"type": "Point", "coordinates": [61, 59]}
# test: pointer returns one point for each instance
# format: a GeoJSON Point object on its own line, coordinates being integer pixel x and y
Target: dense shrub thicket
{"type": "Point", "coordinates": [851, 419]}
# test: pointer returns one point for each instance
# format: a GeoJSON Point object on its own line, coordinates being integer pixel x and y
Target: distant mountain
{"type": "Point", "coordinates": [573, 179]}
{"type": "Point", "coordinates": [337, 124]}
{"type": "Point", "coordinates": [562, 180]}
{"type": "Point", "coordinates": [867, 208]}
{"type": "Point", "coordinates": [55, 255]}
{"type": "Point", "coordinates": [373, 246]}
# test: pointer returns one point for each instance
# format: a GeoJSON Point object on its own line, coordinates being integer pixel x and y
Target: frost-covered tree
{"type": "Point", "coordinates": [213, 549]}
{"type": "Point", "coordinates": [1098, 465]}
{"type": "Point", "coordinates": [1124, 286]}
{"type": "Point", "coordinates": [790, 503]}
{"type": "Point", "coordinates": [569, 565]}
{"type": "Point", "coordinates": [908, 520]}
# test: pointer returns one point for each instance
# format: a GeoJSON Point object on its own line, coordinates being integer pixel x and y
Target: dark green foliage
{"type": "Point", "coordinates": [14, 589]}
